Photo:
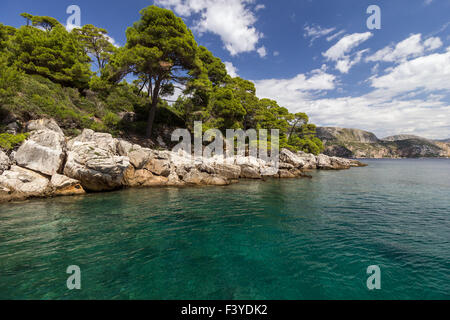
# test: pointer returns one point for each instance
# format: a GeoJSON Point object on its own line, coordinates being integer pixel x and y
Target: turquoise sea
{"type": "Point", "coordinates": [279, 239]}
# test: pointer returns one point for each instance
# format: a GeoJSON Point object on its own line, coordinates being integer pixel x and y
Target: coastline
{"type": "Point", "coordinates": [48, 164]}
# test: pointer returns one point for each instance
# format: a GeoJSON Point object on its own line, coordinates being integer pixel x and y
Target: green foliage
{"type": "Point", "coordinates": [159, 48]}
{"type": "Point", "coordinates": [53, 53]}
{"type": "Point", "coordinates": [10, 141]}
{"type": "Point", "coordinates": [95, 43]}
{"type": "Point", "coordinates": [10, 80]}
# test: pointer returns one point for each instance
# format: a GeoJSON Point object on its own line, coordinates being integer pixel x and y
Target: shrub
{"type": "Point", "coordinates": [10, 141]}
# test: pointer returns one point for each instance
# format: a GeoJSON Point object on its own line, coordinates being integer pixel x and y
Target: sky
{"type": "Point", "coordinates": [313, 56]}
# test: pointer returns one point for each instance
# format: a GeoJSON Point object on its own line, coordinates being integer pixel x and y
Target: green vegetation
{"type": "Point", "coordinates": [46, 71]}
{"type": "Point", "coordinates": [9, 141]}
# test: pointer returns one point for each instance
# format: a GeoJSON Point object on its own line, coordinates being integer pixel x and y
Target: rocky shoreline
{"type": "Point", "coordinates": [49, 164]}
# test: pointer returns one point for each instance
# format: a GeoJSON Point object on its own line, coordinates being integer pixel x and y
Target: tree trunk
{"type": "Point", "coordinates": [152, 111]}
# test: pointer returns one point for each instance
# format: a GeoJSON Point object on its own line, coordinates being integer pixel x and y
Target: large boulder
{"type": "Point", "coordinates": [228, 171]}
{"type": "Point", "coordinates": [250, 172]}
{"type": "Point", "coordinates": [101, 140]}
{"type": "Point", "coordinates": [5, 163]}
{"type": "Point", "coordinates": [309, 159]}
{"type": "Point", "coordinates": [323, 162]}
{"type": "Point", "coordinates": [142, 178]}
{"type": "Point", "coordinates": [289, 157]}
{"type": "Point", "coordinates": [44, 151]}
{"type": "Point", "coordinates": [269, 172]}
{"type": "Point", "coordinates": [64, 186]}
{"type": "Point", "coordinates": [44, 124]}
{"type": "Point", "coordinates": [96, 168]}
{"type": "Point", "coordinates": [24, 181]}
{"type": "Point", "coordinates": [160, 167]}
{"type": "Point", "coordinates": [195, 177]}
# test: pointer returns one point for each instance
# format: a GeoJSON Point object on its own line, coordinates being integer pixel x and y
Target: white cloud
{"type": "Point", "coordinates": [232, 20]}
{"type": "Point", "coordinates": [290, 92]}
{"type": "Point", "coordinates": [344, 65]}
{"type": "Point", "coordinates": [340, 52]}
{"type": "Point", "coordinates": [260, 7]}
{"type": "Point", "coordinates": [345, 45]}
{"type": "Point", "coordinates": [336, 35]}
{"type": "Point", "coordinates": [262, 52]}
{"type": "Point", "coordinates": [316, 32]}
{"type": "Point", "coordinates": [411, 47]}
{"type": "Point", "coordinates": [427, 2]}
{"type": "Point", "coordinates": [411, 98]}
{"type": "Point", "coordinates": [433, 43]}
{"type": "Point", "coordinates": [429, 73]}
{"type": "Point", "coordinates": [231, 69]}
{"type": "Point", "coordinates": [276, 53]}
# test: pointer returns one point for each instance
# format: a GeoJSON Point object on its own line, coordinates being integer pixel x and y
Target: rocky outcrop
{"type": "Point", "coordinates": [44, 124]}
{"type": "Point", "coordinates": [48, 165]}
{"type": "Point", "coordinates": [24, 182]}
{"type": "Point", "coordinates": [64, 186]}
{"type": "Point", "coordinates": [354, 143]}
{"type": "Point", "coordinates": [94, 162]}
{"type": "Point", "coordinates": [44, 151]}
{"type": "Point", "coordinates": [5, 162]}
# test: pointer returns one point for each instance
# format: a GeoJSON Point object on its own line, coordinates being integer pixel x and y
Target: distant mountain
{"type": "Point", "coordinates": [400, 137]}
{"type": "Point", "coordinates": [444, 140]}
{"type": "Point", "coordinates": [356, 143]}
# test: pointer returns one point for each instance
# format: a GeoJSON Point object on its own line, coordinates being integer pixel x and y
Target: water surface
{"type": "Point", "coordinates": [287, 239]}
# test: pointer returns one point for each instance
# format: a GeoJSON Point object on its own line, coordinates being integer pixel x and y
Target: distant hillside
{"type": "Point", "coordinates": [355, 143]}
{"type": "Point", "coordinates": [343, 134]}
{"type": "Point", "coordinates": [401, 137]}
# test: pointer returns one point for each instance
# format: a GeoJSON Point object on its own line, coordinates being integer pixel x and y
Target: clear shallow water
{"type": "Point", "coordinates": [287, 239]}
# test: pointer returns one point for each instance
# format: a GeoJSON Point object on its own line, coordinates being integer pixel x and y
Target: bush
{"type": "Point", "coordinates": [10, 141]}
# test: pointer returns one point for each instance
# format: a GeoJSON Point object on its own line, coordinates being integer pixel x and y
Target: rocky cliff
{"type": "Point", "coordinates": [50, 164]}
{"type": "Point", "coordinates": [355, 143]}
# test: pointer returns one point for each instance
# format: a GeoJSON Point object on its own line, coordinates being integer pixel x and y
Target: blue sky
{"type": "Point", "coordinates": [316, 56]}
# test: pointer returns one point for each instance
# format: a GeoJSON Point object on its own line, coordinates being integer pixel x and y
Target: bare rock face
{"type": "Point", "coordinates": [143, 178]}
{"type": "Point", "coordinates": [195, 177]}
{"type": "Point", "coordinates": [24, 181]}
{"type": "Point", "coordinates": [309, 159]}
{"type": "Point", "coordinates": [44, 151]}
{"type": "Point", "coordinates": [65, 186]}
{"type": "Point", "coordinates": [5, 163]}
{"type": "Point", "coordinates": [158, 167]}
{"type": "Point", "coordinates": [228, 171]}
{"type": "Point", "coordinates": [291, 158]}
{"type": "Point", "coordinates": [325, 162]}
{"type": "Point", "coordinates": [250, 172]}
{"type": "Point", "coordinates": [97, 168]}
{"type": "Point", "coordinates": [103, 141]}
{"type": "Point", "coordinates": [44, 124]}
{"type": "Point", "coordinates": [270, 172]}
